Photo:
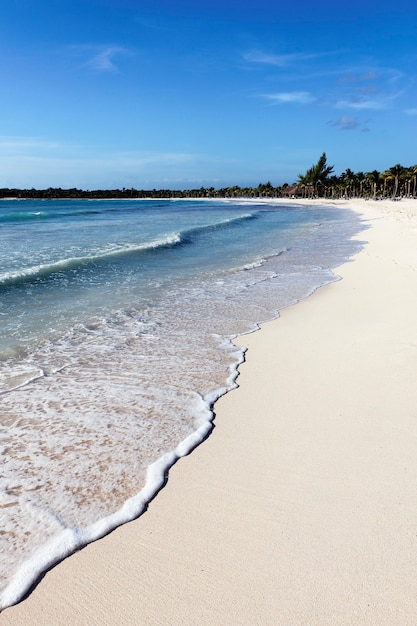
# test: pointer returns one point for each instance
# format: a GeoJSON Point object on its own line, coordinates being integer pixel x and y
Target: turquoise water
{"type": "Point", "coordinates": [115, 340]}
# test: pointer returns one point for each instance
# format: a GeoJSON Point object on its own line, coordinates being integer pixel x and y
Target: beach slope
{"type": "Point", "coordinates": [301, 506]}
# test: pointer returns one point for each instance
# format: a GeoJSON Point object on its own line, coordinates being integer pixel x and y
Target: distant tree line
{"type": "Point", "coordinates": [57, 193]}
{"type": "Point", "coordinates": [317, 182]}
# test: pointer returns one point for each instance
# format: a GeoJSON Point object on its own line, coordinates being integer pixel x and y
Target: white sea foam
{"type": "Point", "coordinates": [73, 262]}
{"type": "Point", "coordinates": [70, 539]}
{"type": "Point", "coordinates": [18, 377]}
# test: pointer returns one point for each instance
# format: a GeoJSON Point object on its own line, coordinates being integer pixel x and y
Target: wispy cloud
{"type": "Point", "coordinates": [38, 147]}
{"type": "Point", "coordinates": [287, 97]}
{"type": "Point", "coordinates": [411, 111]}
{"type": "Point", "coordinates": [356, 88]}
{"type": "Point", "coordinates": [99, 58]}
{"type": "Point", "coordinates": [349, 122]}
{"type": "Point", "coordinates": [162, 158]}
{"type": "Point", "coordinates": [13, 145]}
{"type": "Point", "coordinates": [346, 122]}
{"type": "Point", "coordinates": [104, 61]}
{"type": "Point", "coordinates": [361, 104]}
{"type": "Point", "coordinates": [280, 60]}
{"type": "Point", "coordinates": [154, 23]}
{"type": "Point", "coordinates": [355, 77]}
{"type": "Point", "coordinates": [371, 88]}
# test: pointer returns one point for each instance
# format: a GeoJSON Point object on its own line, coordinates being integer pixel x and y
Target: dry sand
{"type": "Point", "coordinates": [301, 508]}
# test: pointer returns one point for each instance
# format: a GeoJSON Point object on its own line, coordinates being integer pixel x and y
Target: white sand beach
{"type": "Point", "coordinates": [301, 507]}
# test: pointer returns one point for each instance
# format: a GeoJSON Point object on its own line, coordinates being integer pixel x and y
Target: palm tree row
{"type": "Point", "coordinates": [317, 182]}
{"type": "Point", "coordinates": [395, 182]}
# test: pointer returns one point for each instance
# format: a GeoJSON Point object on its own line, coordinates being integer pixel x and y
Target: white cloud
{"type": "Point", "coordinates": [286, 97]}
{"type": "Point", "coordinates": [346, 122]}
{"type": "Point", "coordinates": [19, 145]}
{"type": "Point", "coordinates": [99, 58]}
{"type": "Point", "coordinates": [361, 104]}
{"type": "Point", "coordinates": [279, 60]}
{"type": "Point", "coordinates": [143, 160]}
{"type": "Point", "coordinates": [411, 111]}
{"type": "Point", "coordinates": [357, 76]}
{"type": "Point", "coordinates": [374, 88]}
{"type": "Point", "coordinates": [103, 61]}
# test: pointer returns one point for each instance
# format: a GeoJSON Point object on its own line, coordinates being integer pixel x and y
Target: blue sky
{"type": "Point", "coordinates": [180, 93]}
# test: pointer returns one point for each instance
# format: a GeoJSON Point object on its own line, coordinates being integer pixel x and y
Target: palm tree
{"type": "Point", "coordinates": [396, 171]}
{"type": "Point", "coordinates": [413, 172]}
{"type": "Point", "coordinates": [387, 177]}
{"type": "Point", "coordinates": [317, 174]}
{"type": "Point", "coordinates": [372, 179]}
{"type": "Point", "coordinates": [334, 185]}
{"type": "Point", "coordinates": [360, 177]}
{"type": "Point", "coordinates": [350, 180]}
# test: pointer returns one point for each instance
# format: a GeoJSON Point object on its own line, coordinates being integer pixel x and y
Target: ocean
{"type": "Point", "coordinates": [117, 321]}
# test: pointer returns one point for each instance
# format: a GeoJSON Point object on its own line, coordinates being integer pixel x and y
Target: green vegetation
{"type": "Point", "coordinates": [318, 182]}
{"type": "Point", "coordinates": [317, 176]}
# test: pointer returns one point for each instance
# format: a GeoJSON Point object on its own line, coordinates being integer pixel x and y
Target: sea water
{"type": "Point", "coordinates": [116, 327]}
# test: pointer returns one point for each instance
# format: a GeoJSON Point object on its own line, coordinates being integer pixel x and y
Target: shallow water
{"type": "Point", "coordinates": [115, 340]}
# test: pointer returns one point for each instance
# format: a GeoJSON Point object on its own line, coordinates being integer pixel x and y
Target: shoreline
{"type": "Point", "coordinates": [255, 526]}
